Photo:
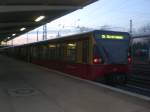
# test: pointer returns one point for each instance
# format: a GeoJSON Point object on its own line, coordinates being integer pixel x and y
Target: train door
{"type": "Point", "coordinates": [85, 51]}
{"type": "Point", "coordinates": [28, 53]}
{"type": "Point", "coordinates": [85, 57]}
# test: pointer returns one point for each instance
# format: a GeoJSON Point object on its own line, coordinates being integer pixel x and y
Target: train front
{"type": "Point", "coordinates": [111, 54]}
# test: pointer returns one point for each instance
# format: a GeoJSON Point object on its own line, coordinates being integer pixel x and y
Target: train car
{"type": "Point", "coordinates": [140, 55]}
{"type": "Point", "coordinates": [95, 55]}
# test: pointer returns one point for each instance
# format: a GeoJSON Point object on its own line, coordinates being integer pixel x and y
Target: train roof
{"type": "Point", "coordinates": [141, 36]}
{"type": "Point", "coordinates": [71, 37]}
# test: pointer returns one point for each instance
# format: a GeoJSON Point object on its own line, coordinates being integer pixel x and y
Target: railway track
{"type": "Point", "coordinates": [134, 89]}
{"type": "Point", "coordinates": [136, 84]}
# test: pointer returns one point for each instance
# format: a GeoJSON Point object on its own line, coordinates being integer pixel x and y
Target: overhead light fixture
{"type": "Point", "coordinates": [22, 29]}
{"type": "Point", "coordinates": [14, 34]}
{"type": "Point", "coordinates": [39, 18]}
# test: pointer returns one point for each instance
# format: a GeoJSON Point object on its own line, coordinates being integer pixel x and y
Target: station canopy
{"type": "Point", "coordinates": [18, 16]}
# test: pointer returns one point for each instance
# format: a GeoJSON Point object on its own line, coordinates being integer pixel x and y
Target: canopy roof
{"type": "Point", "coordinates": [17, 14]}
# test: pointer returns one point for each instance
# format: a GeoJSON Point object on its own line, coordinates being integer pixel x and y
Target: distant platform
{"type": "Point", "coordinates": [25, 87]}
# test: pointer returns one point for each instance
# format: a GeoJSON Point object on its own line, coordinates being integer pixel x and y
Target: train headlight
{"type": "Point", "coordinates": [129, 60]}
{"type": "Point", "coordinates": [97, 60]}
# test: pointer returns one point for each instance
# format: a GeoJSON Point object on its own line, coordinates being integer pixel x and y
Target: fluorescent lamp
{"type": "Point", "coordinates": [14, 34]}
{"type": "Point", "coordinates": [39, 18]}
{"type": "Point", "coordinates": [52, 46]}
{"type": "Point", "coordinates": [22, 29]}
{"type": "Point", "coordinates": [72, 45]}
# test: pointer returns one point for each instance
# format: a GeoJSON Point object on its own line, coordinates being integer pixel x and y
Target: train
{"type": "Point", "coordinates": [140, 55]}
{"type": "Point", "coordinates": [97, 55]}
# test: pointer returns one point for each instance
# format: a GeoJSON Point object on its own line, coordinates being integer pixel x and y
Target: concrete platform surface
{"type": "Point", "coordinates": [28, 88]}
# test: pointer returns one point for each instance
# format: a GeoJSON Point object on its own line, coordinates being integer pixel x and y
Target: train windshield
{"type": "Point", "coordinates": [113, 47]}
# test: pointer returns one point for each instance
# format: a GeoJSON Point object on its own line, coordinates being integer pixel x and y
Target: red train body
{"type": "Point", "coordinates": [95, 55]}
{"type": "Point", "coordinates": [90, 72]}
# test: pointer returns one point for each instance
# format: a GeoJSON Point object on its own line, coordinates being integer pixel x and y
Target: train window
{"type": "Point", "coordinates": [79, 51]}
{"type": "Point", "coordinates": [71, 51]}
{"type": "Point", "coordinates": [44, 52]}
{"type": "Point", "coordinates": [59, 52]}
{"type": "Point", "coordinates": [34, 52]}
{"type": "Point", "coordinates": [37, 52]}
{"type": "Point", "coordinates": [85, 49]}
{"type": "Point", "coordinates": [64, 47]}
{"type": "Point", "coordinates": [40, 51]}
{"type": "Point", "coordinates": [52, 51]}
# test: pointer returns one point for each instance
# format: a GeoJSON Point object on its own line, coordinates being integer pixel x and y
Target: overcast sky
{"type": "Point", "coordinates": [115, 13]}
{"type": "Point", "coordinates": [112, 13]}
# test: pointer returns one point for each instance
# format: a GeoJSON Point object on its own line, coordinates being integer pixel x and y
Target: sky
{"type": "Point", "coordinates": [113, 14]}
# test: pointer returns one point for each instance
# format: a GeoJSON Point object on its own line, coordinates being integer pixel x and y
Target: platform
{"type": "Point", "coordinates": [26, 87]}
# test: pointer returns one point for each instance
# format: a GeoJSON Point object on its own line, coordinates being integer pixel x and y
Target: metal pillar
{"type": "Point", "coordinates": [27, 38]}
{"type": "Point", "coordinates": [12, 42]}
{"type": "Point", "coordinates": [45, 32]}
{"type": "Point", "coordinates": [37, 38]}
{"type": "Point", "coordinates": [131, 27]}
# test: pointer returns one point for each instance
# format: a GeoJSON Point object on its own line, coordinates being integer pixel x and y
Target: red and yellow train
{"type": "Point", "coordinates": [95, 55]}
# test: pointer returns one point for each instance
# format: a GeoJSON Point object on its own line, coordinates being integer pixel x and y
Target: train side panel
{"type": "Point", "coordinates": [140, 54]}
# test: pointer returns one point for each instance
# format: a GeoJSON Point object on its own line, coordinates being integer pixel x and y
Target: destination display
{"type": "Point", "coordinates": [106, 36]}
